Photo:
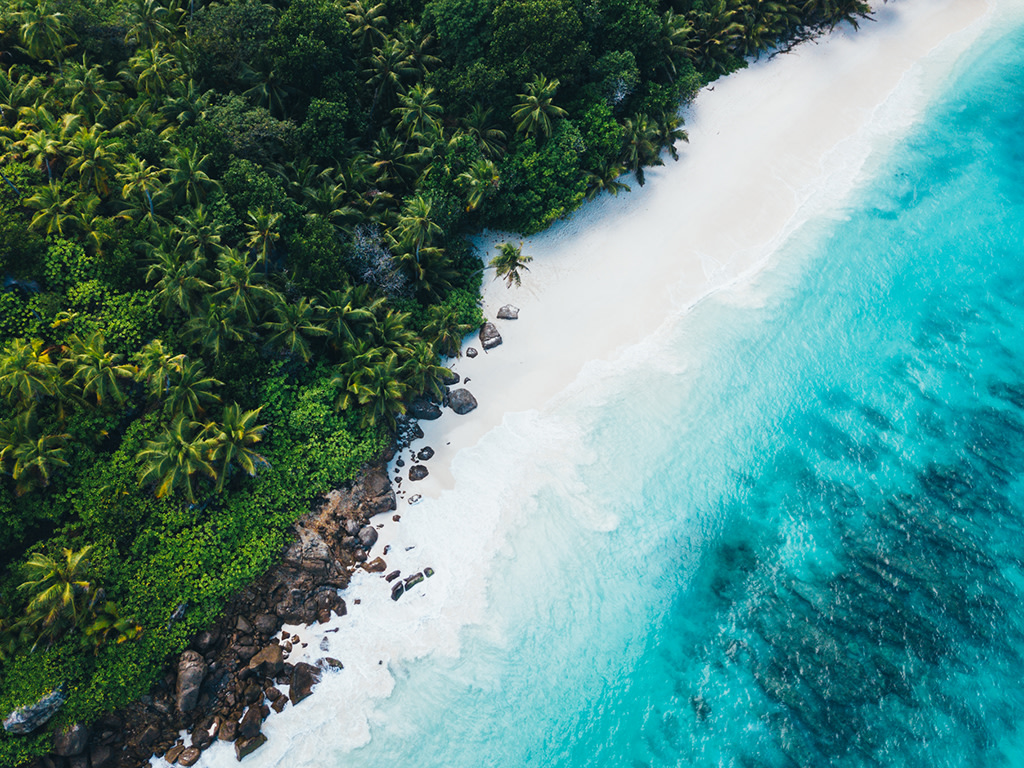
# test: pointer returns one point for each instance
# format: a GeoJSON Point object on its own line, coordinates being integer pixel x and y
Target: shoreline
{"type": "Point", "coordinates": [535, 365]}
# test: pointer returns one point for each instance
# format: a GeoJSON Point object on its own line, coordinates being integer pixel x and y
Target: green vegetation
{"type": "Point", "coordinates": [232, 248]}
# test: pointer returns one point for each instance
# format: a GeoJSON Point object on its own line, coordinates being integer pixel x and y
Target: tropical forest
{"type": "Point", "coordinates": [236, 243]}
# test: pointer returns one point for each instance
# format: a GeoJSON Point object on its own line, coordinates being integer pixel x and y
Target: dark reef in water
{"type": "Point", "coordinates": [863, 629]}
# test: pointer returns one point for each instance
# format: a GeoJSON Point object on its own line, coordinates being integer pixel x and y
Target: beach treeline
{"type": "Point", "coordinates": [233, 249]}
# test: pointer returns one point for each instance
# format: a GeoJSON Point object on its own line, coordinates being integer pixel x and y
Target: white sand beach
{"type": "Point", "coordinates": [769, 147]}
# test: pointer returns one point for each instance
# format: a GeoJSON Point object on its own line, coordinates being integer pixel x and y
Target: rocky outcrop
{"type": "Point", "coordinates": [421, 408]}
{"type": "Point", "coordinates": [304, 677]}
{"type": "Point", "coordinates": [26, 719]}
{"type": "Point", "coordinates": [489, 336]}
{"type": "Point", "coordinates": [461, 401]}
{"type": "Point", "coordinates": [225, 685]}
{"type": "Point", "coordinates": [70, 740]}
{"type": "Point", "coordinates": [191, 671]}
{"type": "Point", "coordinates": [508, 312]}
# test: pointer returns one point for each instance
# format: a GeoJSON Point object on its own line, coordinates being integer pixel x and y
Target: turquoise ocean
{"type": "Point", "coordinates": [791, 533]}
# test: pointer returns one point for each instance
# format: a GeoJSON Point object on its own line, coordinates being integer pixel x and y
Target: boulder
{"type": "Point", "coordinates": [172, 754]}
{"type": "Point", "coordinates": [245, 748]}
{"type": "Point", "coordinates": [377, 565]}
{"type": "Point", "coordinates": [397, 591]}
{"type": "Point", "coordinates": [426, 454]}
{"type": "Point", "coordinates": [421, 408]}
{"type": "Point", "coordinates": [70, 740]}
{"type": "Point", "coordinates": [100, 756]}
{"type": "Point", "coordinates": [329, 662]}
{"type": "Point", "coordinates": [508, 312]}
{"type": "Point", "coordinates": [392, 576]}
{"type": "Point", "coordinates": [412, 581]}
{"type": "Point", "coordinates": [268, 662]}
{"type": "Point", "coordinates": [191, 671]}
{"type": "Point", "coordinates": [228, 731]}
{"type": "Point", "coordinates": [367, 536]}
{"type": "Point", "coordinates": [461, 401]}
{"type": "Point", "coordinates": [250, 723]}
{"type": "Point", "coordinates": [304, 677]}
{"type": "Point", "coordinates": [489, 336]}
{"type": "Point", "coordinates": [449, 378]}
{"type": "Point", "coordinates": [189, 756]}
{"type": "Point", "coordinates": [471, 352]}
{"type": "Point", "coordinates": [26, 719]}
{"type": "Point", "coordinates": [267, 624]}
{"type": "Point", "coordinates": [205, 640]}
{"type": "Point", "coordinates": [418, 472]}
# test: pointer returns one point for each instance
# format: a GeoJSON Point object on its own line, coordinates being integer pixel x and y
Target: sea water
{"type": "Point", "coordinates": [788, 530]}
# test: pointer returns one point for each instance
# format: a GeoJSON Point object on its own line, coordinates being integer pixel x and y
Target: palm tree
{"type": "Point", "coordinates": [95, 370]}
{"type": "Point", "coordinates": [484, 131]}
{"type": "Point", "coordinates": [180, 281]}
{"type": "Point", "coordinates": [669, 131]}
{"type": "Point", "coordinates": [535, 111]}
{"type": "Point", "coordinates": [422, 373]}
{"type": "Point", "coordinates": [42, 30]}
{"type": "Point", "coordinates": [28, 455]}
{"type": "Point", "coordinates": [293, 324]}
{"type": "Point", "coordinates": [388, 67]}
{"type": "Point", "coordinates": [391, 160]}
{"type": "Point", "coordinates": [392, 333]}
{"type": "Point", "coordinates": [153, 71]}
{"type": "Point", "coordinates": [27, 372]}
{"type": "Point", "coordinates": [482, 179]}
{"type": "Point", "coordinates": [269, 91]}
{"type": "Point", "coordinates": [136, 175]}
{"type": "Point", "coordinates": [175, 457]}
{"type": "Point", "coordinates": [379, 388]}
{"type": "Point", "coordinates": [640, 146]}
{"type": "Point", "coordinates": [606, 180]}
{"type": "Point", "coordinates": [53, 210]}
{"type": "Point", "coordinates": [90, 90]}
{"type": "Point", "coordinates": [673, 42]}
{"type": "Point", "coordinates": [149, 23]}
{"type": "Point", "coordinates": [154, 366]}
{"type": "Point", "coordinates": [232, 441]}
{"type": "Point", "coordinates": [188, 182]}
{"type": "Point", "coordinates": [716, 33]}
{"type": "Point", "coordinates": [262, 233]}
{"type": "Point", "coordinates": [216, 327]}
{"type": "Point", "coordinates": [191, 390]}
{"type": "Point", "coordinates": [199, 234]}
{"type": "Point", "coordinates": [59, 591]}
{"type": "Point", "coordinates": [367, 24]}
{"type": "Point", "coordinates": [508, 262]}
{"type": "Point", "coordinates": [239, 286]}
{"type": "Point", "coordinates": [419, 113]}
{"type": "Point", "coordinates": [416, 228]}
{"type": "Point", "coordinates": [343, 317]}
{"type": "Point", "coordinates": [43, 149]}
{"type": "Point", "coordinates": [446, 329]}
{"type": "Point", "coordinates": [92, 159]}
{"type": "Point", "coordinates": [93, 228]}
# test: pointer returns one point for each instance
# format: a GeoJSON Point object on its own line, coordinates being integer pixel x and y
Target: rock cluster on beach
{"type": "Point", "coordinates": [229, 680]}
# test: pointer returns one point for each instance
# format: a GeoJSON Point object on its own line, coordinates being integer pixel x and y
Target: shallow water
{"type": "Point", "coordinates": [785, 531]}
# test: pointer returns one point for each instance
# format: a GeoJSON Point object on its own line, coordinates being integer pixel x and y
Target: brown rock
{"type": "Point", "coordinates": [245, 748]}
{"type": "Point", "coordinates": [304, 677]}
{"type": "Point", "coordinates": [251, 722]}
{"type": "Point", "coordinates": [228, 731]}
{"type": "Point", "coordinates": [100, 756]}
{"type": "Point", "coordinates": [377, 565]}
{"type": "Point", "coordinates": [191, 671]}
{"type": "Point", "coordinates": [268, 662]}
{"type": "Point", "coordinates": [279, 704]}
{"type": "Point", "coordinates": [70, 740]}
{"type": "Point", "coordinates": [172, 754]}
{"type": "Point", "coordinates": [189, 756]}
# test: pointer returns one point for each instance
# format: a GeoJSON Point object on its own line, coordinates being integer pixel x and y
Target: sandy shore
{"type": "Point", "coordinates": [769, 147]}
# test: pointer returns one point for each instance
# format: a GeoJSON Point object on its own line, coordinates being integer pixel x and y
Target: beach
{"type": "Point", "coordinates": [770, 147]}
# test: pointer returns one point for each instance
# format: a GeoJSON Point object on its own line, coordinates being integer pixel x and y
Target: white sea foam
{"type": "Point", "coordinates": [771, 146]}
